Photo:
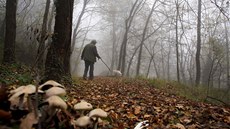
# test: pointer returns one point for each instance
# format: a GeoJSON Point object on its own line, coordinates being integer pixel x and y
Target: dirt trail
{"type": "Point", "coordinates": [129, 101]}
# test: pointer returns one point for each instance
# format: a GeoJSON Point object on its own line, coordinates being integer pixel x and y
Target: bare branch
{"type": "Point", "coordinates": [220, 8]}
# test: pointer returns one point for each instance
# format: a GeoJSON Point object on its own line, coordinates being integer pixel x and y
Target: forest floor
{"type": "Point", "coordinates": [129, 101]}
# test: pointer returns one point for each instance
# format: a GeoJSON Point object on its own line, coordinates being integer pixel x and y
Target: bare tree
{"type": "Point", "coordinates": [128, 23]}
{"type": "Point", "coordinates": [143, 39]}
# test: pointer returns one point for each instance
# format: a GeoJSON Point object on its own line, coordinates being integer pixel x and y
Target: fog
{"type": "Point", "coordinates": [105, 21]}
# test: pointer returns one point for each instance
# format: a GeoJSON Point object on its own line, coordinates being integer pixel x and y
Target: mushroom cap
{"type": "Point", "coordinates": [49, 84]}
{"type": "Point", "coordinates": [57, 102]}
{"type": "Point", "coordinates": [29, 89]}
{"type": "Point", "coordinates": [55, 91]}
{"type": "Point", "coordinates": [98, 113]}
{"type": "Point", "coordinates": [82, 121]}
{"type": "Point", "coordinates": [83, 105]}
{"type": "Point", "coordinates": [17, 89]}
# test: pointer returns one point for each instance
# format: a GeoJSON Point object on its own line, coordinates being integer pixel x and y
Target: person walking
{"type": "Point", "coordinates": [89, 55]}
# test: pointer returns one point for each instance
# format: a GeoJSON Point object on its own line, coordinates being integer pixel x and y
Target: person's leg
{"type": "Point", "coordinates": [91, 70]}
{"type": "Point", "coordinates": [87, 64]}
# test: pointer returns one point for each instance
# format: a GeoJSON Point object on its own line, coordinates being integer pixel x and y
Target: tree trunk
{"type": "Point", "coordinates": [10, 34]}
{"type": "Point", "coordinates": [131, 60]}
{"type": "Point", "coordinates": [198, 73]}
{"type": "Point", "coordinates": [50, 21]}
{"type": "Point", "coordinates": [227, 55]}
{"type": "Point", "coordinates": [2, 30]}
{"type": "Point", "coordinates": [156, 69]}
{"type": "Point", "coordinates": [113, 61]}
{"type": "Point", "coordinates": [168, 64]}
{"type": "Point", "coordinates": [177, 44]}
{"type": "Point", "coordinates": [57, 65]}
{"type": "Point", "coordinates": [149, 66]}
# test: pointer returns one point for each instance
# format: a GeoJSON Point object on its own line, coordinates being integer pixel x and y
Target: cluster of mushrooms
{"type": "Point", "coordinates": [90, 119]}
{"type": "Point", "coordinates": [45, 101]}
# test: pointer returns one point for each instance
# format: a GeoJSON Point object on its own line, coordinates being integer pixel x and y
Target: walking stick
{"type": "Point", "coordinates": [106, 65]}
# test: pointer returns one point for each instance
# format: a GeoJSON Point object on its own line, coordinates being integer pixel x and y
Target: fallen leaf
{"type": "Point", "coordinates": [179, 126]}
{"type": "Point", "coordinates": [137, 110]}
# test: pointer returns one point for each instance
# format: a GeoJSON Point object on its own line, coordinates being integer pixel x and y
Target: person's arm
{"type": "Point", "coordinates": [96, 53]}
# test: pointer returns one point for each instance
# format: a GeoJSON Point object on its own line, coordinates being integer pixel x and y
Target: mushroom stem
{"type": "Point", "coordinates": [21, 99]}
{"type": "Point", "coordinates": [30, 104]}
{"type": "Point", "coordinates": [82, 113]}
{"type": "Point", "coordinates": [95, 123]}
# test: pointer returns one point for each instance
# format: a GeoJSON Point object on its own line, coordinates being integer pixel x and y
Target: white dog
{"type": "Point", "coordinates": [117, 73]}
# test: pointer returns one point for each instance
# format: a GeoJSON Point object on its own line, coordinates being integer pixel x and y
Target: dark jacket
{"type": "Point", "coordinates": [89, 53]}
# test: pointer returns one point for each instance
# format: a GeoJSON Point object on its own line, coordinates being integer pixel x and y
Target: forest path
{"type": "Point", "coordinates": [129, 101]}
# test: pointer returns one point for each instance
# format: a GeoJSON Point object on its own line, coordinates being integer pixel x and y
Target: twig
{"type": "Point", "coordinates": [220, 8]}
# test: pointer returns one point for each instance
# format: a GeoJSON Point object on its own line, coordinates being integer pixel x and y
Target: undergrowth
{"type": "Point", "coordinates": [15, 74]}
{"type": "Point", "coordinates": [196, 93]}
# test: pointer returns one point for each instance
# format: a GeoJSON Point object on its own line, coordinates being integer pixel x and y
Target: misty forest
{"type": "Point", "coordinates": [161, 64]}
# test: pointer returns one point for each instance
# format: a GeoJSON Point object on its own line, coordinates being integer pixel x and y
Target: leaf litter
{"type": "Point", "coordinates": [129, 101]}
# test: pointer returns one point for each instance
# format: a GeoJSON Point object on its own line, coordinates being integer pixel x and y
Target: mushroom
{"type": "Point", "coordinates": [58, 91]}
{"type": "Point", "coordinates": [83, 121]}
{"type": "Point", "coordinates": [55, 102]}
{"type": "Point", "coordinates": [97, 113]}
{"type": "Point", "coordinates": [20, 95]}
{"type": "Point", "coordinates": [51, 83]}
{"type": "Point", "coordinates": [82, 106]}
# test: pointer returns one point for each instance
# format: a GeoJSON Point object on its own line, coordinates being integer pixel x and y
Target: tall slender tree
{"type": "Point", "coordinates": [198, 49]}
{"type": "Point", "coordinates": [57, 66]}
{"type": "Point", "coordinates": [10, 34]}
{"type": "Point", "coordinates": [177, 42]}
